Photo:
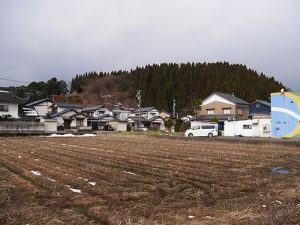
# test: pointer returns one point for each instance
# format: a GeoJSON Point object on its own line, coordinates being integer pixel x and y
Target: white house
{"type": "Point", "coordinates": [97, 110]}
{"type": "Point", "coordinates": [9, 103]}
{"type": "Point", "coordinates": [70, 119]}
{"type": "Point", "coordinates": [121, 114]}
{"type": "Point", "coordinates": [146, 112]}
{"type": "Point", "coordinates": [42, 107]}
{"type": "Point", "coordinates": [157, 123]}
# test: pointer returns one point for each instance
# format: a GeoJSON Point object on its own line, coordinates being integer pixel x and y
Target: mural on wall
{"type": "Point", "coordinates": [285, 114]}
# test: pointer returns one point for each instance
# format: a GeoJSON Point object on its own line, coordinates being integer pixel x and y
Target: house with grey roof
{"type": "Point", "coordinates": [70, 119]}
{"type": "Point", "coordinates": [223, 106]}
{"type": "Point", "coordinates": [9, 103]}
{"type": "Point", "coordinates": [97, 110]}
{"type": "Point", "coordinates": [260, 108]}
{"type": "Point", "coordinates": [40, 108]}
{"type": "Point", "coordinates": [146, 112]}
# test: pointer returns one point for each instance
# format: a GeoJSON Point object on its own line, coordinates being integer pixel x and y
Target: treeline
{"type": "Point", "coordinates": [184, 82]}
{"type": "Point", "coordinates": [39, 90]}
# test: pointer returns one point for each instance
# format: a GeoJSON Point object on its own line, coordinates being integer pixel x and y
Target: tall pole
{"type": "Point", "coordinates": [139, 97]}
{"type": "Point", "coordinates": [174, 105]}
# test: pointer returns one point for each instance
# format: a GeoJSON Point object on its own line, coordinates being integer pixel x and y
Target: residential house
{"type": "Point", "coordinates": [70, 119]}
{"type": "Point", "coordinates": [40, 108]}
{"type": "Point", "coordinates": [133, 123]}
{"type": "Point", "coordinates": [223, 106]}
{"type": "Point", "coordinates": [9, 103]}
{"type": "Point", "coordinates": [157, 123]}
{"type": "Point", "coordinates": [285, 114]}
{"type": "Point", "coordinates": [146, 112]}
{"type": "Point", "coordinates": [260, 108]}
{"type": "Point", "coordinates": [96, 110]}
{"type": "Point", "coordinates": [122, 113]}
{"type": "Point", "coordinates": [101, 122]}
{"type": "Point", "coordinates": [165, 115]}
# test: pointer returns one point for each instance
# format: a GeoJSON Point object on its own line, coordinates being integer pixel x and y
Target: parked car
{"type": "Point", "coordinates": [204, 130]}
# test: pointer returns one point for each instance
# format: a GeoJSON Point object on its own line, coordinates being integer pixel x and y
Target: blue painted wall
{"type": "Point", "coordinates": [261, 109]}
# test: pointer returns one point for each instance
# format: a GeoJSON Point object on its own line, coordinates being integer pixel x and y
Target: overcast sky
{"type": "Point", "coordinates": [40, 39]}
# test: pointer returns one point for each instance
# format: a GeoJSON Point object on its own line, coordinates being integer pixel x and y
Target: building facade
{"type": "Point", "coordinates": [285, 114]}
{"type": "Point", "coordinates": [223, 107]}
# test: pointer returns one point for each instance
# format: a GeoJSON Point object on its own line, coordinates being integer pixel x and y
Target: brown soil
{"type": "Point", "coordinates": [147, 181]}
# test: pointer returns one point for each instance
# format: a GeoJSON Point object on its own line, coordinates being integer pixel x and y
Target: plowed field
{"type": "Point", "coordinates": [146, 180]}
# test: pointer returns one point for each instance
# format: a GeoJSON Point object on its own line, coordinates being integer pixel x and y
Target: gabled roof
{"type": "Point", "coordinates": [8, 97]}
{"type": "Point", "coordinates": [104, 117]}
{"type": "Point", "coordinates": [229, 97]}
{"type": "Point", "coordinates": [262, 102]}
{"type": "Point", "coordinates": [68, 105]}
{"type": "Point", "coordinates": [38, 102]}
{"type": "Point", "coordinates": [93, 108]}
{"type": "Point", "coordinates": [154, 118]}
{"type": "Point", "coordinates": [53, 115]}
{"type": "Point", "coordinates": [78, 114]}
{"type": "Point", "coordinates": [144, 109]}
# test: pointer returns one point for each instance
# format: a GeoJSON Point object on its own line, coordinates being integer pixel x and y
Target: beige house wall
{"type": "Point", "coordinates": [219, 110]}
{"type": "Point", "coordinates": [218, 107]}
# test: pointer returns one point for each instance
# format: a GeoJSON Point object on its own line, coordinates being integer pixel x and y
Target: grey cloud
{"type": "Point", "coordinates": [40, 39]}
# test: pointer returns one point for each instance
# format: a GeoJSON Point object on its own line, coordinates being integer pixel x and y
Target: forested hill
{"type": "Point", "coordinates": [184, 82]}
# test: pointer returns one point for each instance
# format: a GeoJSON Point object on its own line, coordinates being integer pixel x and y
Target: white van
{"type": "Point", "coordinates": [204, 130]}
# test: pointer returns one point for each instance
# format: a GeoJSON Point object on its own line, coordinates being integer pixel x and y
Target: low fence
{"type": "Point", "coordinates": [21, 126]}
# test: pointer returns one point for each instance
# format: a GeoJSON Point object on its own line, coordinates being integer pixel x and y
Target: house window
{"type": "Point", "coordinates": [210, 112]}
{"type": "Point", "coordinates": [247, 127]}
{"type": "Point", "coordinates": [226, 111]}
{"type": "Point", "coordinates": [3, 108]}
{"type": "Point", "coordinates": [79, 123]}
{"type": "Point", "coordinates": [240, 111]}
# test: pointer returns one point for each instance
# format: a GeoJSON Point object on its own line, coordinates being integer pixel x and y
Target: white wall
{"type": "Point", "coordinates": [216, 98]}
{"type": "Point", "coordinates": [43, 108]}
{"type": "Point", "coordinates": [260, 128]}
{"type": "Point", "coordinates": [236, 128]}
{"type": "Point", "coordinates": [50, 125]}
{"type": "Point", "coordinates": [12, 110]}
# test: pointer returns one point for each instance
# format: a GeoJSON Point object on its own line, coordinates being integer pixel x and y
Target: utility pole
{"type": "Point", "coordinates": [139, 97]}
{"type": "Point", "coordinates": [174, 105]}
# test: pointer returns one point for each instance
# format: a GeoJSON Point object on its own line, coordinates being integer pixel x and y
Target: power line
{"type": "Point", "coordinates": [15, 81]}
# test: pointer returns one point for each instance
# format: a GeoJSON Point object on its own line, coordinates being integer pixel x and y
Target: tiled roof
{"type": "Point", "coordinates": [144, 109]}
{"type": "Point", "coordinates": [53, 115]}
{"type": "Point", "coordinates": [8, 97]}
{"type": "Point", "coordinates": [37, 102]}
{"type": "Point", "coordinates": [232, 98]}
{"type": "Point", "coordinates": [69, 105]}
{"type": "Point", "coordinates": [263, 102]}
{"type": "Point", "coordinates": [93, 108]}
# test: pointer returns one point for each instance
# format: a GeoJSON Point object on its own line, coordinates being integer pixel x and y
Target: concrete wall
{"type": "Point", "coordinates": [119, 126]}
{"type": "Point", "coordinates": [50, 125]}
{"type": "Point", "coordinates": [20, 126]}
